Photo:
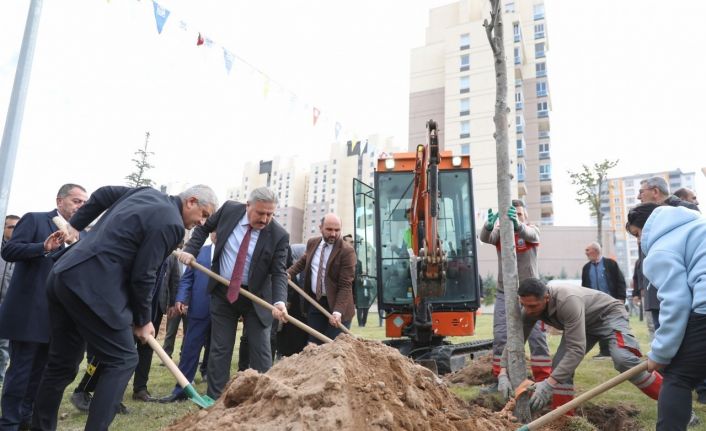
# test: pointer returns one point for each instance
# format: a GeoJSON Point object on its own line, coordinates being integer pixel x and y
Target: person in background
{"type": "Point", "coordinates": [5, 276]}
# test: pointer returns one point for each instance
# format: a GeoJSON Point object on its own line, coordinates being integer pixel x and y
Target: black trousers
{"type": "Point", "coordinates": [681, 376]}
{"type": "Point", "coordinates": [144, 359]}
{"type": "Point", "coordinates": [224, 322]}
{"type": "Point", "coordinates": [172, 329]}
{"type": "Point", "coordinates": [27, 363]}
{"type": "Point", "coordinates": [74, 324]}
{"type": "Point", "coordinates": [318, 321]}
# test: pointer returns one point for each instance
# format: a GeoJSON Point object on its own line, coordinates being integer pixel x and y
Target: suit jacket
{"type": "Point", "coordinates": [167, 290]}
{"type": "Point", "coordinates": [193, 287]}
{"type": "Point", "coordinates": [114, 269]}
{"type": "Point", "coordinates": [340, 272]}
{"type": "Point", "coordinates": [267, 276]}
{"type": "Point", "coordinates": [614, 277]}
{"type": "Point", "coordinates": [24, 314]}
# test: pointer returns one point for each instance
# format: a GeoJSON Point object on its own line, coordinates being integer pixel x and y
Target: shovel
{"type": "Point", "coordinates": [261, 302]}
{"type": "Point", "coordinates": [318, 306]}
{"type": "Point", "coordinates": [555, 414]}
{"type": "Point", "coordinates": [203, 401]}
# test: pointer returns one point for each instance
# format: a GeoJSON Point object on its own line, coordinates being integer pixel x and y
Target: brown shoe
{"type": "Point", "coordinates": [143, 395]}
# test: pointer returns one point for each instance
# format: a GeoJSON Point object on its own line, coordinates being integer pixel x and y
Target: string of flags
{"type": "Point", "coordinates": [162, 15]}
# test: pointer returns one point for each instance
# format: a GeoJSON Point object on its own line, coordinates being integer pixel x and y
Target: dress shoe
{"type": "Point", "coordinates": [81, 400]}
{"type": "Point", "coordinates": [143, 395]}
{"type": "Point", "coordinates": [123, 410]}
{"type": "Point", "coordinates": [180, 396]}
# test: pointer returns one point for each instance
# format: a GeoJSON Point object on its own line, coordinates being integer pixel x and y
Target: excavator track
{"type": "Point", "coordinates": [444, 358]}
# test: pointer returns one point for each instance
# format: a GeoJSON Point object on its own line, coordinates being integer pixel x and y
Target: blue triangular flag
{"type": "Point", "coordinates": [338, 129]}
{"type": "Point", "coordinates": [160, 14]}
{"type": "Point", "coordinates": [228, 58]}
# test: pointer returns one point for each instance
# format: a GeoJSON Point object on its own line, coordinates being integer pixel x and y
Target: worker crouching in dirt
{"type": "Point", "coordinates": [586, 316]}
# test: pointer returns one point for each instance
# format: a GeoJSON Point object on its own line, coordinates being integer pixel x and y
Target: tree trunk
{"type": "Point", "coordinates": [515, 346]}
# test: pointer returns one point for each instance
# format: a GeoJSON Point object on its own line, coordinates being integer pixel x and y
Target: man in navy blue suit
{"type": "Point", "coordinates": [193, 300]}
{"type": "Point", "coordinates": [100, 290]}
{"type": "Point", "coordinates": [24, 316]}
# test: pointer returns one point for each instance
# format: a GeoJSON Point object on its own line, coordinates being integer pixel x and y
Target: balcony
{"type": "Point", "coordinates": [518, 106]}
{"type": "Point", "coordinates": [543, 134]}
{"type": "Point", "coordinates": [543, 113]}
{"type": "Point", "coordinates": [538, 15]}
{"type": "Point", "coordinates": [539, 35]}
{"type": "Point", "coordinates": [545, 177]}
{"type": "Point", "coordinates": [518, 83]}
{"type": "Point", "coordinates": [464, 113]}
{"type": "Point", "coordinates": [545, 199]}
{"type": "Point", "coordinates": [540, 93]}
{"type": "Point", "coordinates": [539, 54]}
{"type": "Point", "coordinates": [517, 37]}
{"type": "Point", "coordinates": [464, 135]}
{"type": "Point", "coordinates": [543, 155]}
{"type": "Point", "coordinates": [548, 220]}
{"type": "Point", "coordinates": [466, 90]}
{"type": "Point", "coordinates": [521, 177]}
{"type": "Point", "coordinates": [464, 68]}
{"type": "Point", "coordinates": [520, 128]}
{"type": "Point", "coordinates": [518, 60]}
{"type": "Point", "coordinates": [520, 151]}
{"type": "Point", "coordinates": [541, 73]}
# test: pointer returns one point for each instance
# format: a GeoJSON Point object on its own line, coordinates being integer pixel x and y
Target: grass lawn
{"type": "Point", "coordinates": [153, 416]}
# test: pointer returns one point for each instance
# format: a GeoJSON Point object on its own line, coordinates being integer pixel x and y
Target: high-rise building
{"type": "Point", "coordinates": [453, 82]}
{"type": "Point", "coordinates": [619, 197]}
{"type": "Point", "coordinates": [287, 179]}
{"type": "Point", "coordinates": [330, 182]}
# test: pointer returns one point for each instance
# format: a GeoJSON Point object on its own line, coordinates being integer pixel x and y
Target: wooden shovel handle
{"type": "Point", "coordinates": [318, 306]}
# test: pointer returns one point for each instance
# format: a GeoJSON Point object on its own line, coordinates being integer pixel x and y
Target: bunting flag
{"type": "Point", "coordinates": [316, 113]}
{"type": "Point", "coordinates": [199, 40]}
{"type": "Point", "coordinates": [228, 59]}
{"type": "Point", "coordinates": [337, 129]}
{"type": "Point", "coordinates": [160, 15]}
{"type": "Point", "coordinates": [183, 25]}
{"type": "Point", "coordinates": [209, 42]}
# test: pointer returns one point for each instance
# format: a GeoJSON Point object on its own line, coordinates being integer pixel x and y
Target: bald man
{"type": "Point", "coordinates": [329, 265]}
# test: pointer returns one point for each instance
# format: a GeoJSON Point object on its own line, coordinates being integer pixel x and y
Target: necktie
{"type": "Point", "coordinates": [237, 278]}
{"type": "Point", "coordinates": [320, 275]}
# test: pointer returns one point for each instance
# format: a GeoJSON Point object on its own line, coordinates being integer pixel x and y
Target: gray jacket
{"type": "Point", "coordinates": [6, 269]}
{"type": "Point", "coordinates": [526, 244]}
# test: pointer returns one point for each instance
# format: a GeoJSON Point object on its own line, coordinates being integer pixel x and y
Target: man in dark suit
{"type": "Point", "coordinates": [251, 252]}
{"type": "Point", "coordinates": [192, 301]}
{"type": "Point", "coordinates": [604, 274]}
{"type": "Point", "coordinates": [100, 290]}
{"type": "Point", "coordinates": [24, 318]}
{"type": "Point", "coordinates": [329, 265]}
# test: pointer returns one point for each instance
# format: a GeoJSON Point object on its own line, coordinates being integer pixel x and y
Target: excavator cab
{"type": "Point", "coordinates": [384, 244]}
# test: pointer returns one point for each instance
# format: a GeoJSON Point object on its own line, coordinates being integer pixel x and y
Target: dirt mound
{"type": "Point", "coordinates": [346, 385]}
{"type": "Point", "coordinates": [612, 418]}
{"type": "Point", "coordinates": [478, 372]}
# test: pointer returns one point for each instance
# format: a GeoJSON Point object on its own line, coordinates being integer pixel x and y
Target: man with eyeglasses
{"type": "Point", "coordinates": [24, 314]}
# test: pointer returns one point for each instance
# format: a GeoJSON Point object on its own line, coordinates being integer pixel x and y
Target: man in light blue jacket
{"type": "Point", "coordinates": [672, 239]}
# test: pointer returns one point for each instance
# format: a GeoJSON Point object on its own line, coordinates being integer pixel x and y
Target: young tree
{"type": "Point", "coordinates": [590, 182]}
{"type": "Point", "coordinates": [142, 165]}
{"type": "Point", "coordinates": [515, 347]}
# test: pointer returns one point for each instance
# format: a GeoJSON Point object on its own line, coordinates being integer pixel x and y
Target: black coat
{"type": "Point", "coordinates": [24, 315]}
{"type": "Point", "coordinates": [614, 276]}
{"type": "Point", "coordinates": [114, 269]}
{"type": "Point", "coordinates": [267, 274]}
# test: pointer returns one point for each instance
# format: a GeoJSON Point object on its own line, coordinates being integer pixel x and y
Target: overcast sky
{"type": "Point", "coordinates": [626, 82]}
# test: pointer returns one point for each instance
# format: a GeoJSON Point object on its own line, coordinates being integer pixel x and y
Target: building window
{"type": "Point", "coordinates": [539, 31]}
{"type": "Point", "coordinates": [519, 124]}
{"type": "Point", "coordinates": [539, 50]}
{"type": "Point", "coordinates": [539, 11]}
{"type": "Point", "coordinates": [510, 7]}
{"type": "Point", "coordinates": [545, 172]}
{"type": "Point", "coordinates": [520, 148]}
{"type": "Point", "coordinates": [518, 59]}
{"type": "Point", "coordinates": [464, 84]}
{"type": "Point", "coordinates": [544, 150]}
{"type": "Point", "coordinates": [465, 129]}
{"type": "Point", "coordinates": [465, 61]}
{"type": "Point", "coordinates": [518, 100]}
{"type": "Point", "coordinates": [465, 41]}
{"type": "Point", "coordinates": [541, 69]}
{"type": "Point", "coordinates": [541, 88]}
{"type": "Point", "coordinates": [516, 31]}
{"type": "Point", "coordinates": [542, 109]}
{"type": "Point", "coordinates": [520, 172]}
{"type": "Point", "coordinates": [465, 149]}
{"type": "Point", "coordinates": [465, 106]}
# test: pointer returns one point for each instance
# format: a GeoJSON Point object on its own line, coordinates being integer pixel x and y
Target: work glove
{"type": "Point", "coordinates": [492, 218]}
{"type": "Point", "coordinates": [504, 386]}
{"type": "Point", "coordinates": [541, 395]}
{"type": "Point", "coordinates": [512, 214]}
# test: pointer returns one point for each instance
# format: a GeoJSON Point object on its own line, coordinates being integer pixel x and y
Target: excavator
{"type": "Point", "coordinates": [415, 242]}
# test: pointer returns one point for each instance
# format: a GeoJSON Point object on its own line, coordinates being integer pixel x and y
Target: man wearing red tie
{"type": "Point", "coordinates": [251, 253]}
{"type": "Point", "coordinates": [329, 265]}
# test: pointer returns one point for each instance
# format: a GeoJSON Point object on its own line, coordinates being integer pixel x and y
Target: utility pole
{"type": "Point", "coordinates": [13, 122]}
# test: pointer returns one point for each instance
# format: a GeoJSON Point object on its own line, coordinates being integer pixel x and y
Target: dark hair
{"type": "Point", "coordinates": [11, 217]}
{"type": "Point", "coordinates": [66, 189]}
{"type": "Point", "coordinates": [518, 203]}
{"type": "Point", "coordinates": [532, 287]}
{"type": "Point", "coordinates": [682, 193]}
{"type": "Point", "coordinates": [347, 236]}
{"type": "Point", "coordinates": [638, 216]}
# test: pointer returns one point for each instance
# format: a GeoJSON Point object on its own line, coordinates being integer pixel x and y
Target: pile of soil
{"type": "Point", "coordinates": [350, 384]}
{"type": "Point", "coordinates": [477, 372]}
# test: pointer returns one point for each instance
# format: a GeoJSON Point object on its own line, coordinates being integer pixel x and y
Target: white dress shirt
{"type": "Point", "coordinates": [231, 247]}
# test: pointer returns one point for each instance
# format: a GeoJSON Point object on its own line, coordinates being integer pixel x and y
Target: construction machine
{"type": "Point", "coordinates": [415, 241]}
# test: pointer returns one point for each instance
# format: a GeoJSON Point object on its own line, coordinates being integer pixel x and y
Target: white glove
{"type": "Point", "coordinates": [541, 395]}
{"type": "Point", "coordinates": [504, 386]}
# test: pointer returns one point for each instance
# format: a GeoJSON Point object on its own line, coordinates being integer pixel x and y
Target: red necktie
{"type": "Point", "coordinates": [237, 278]}
{"type": "Point", "coordinates": [320, 275]}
